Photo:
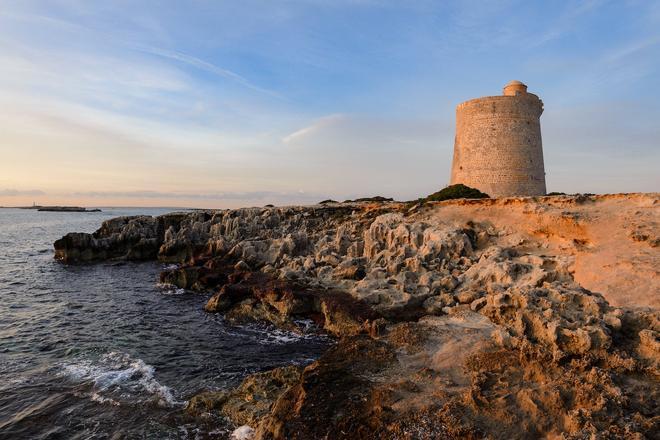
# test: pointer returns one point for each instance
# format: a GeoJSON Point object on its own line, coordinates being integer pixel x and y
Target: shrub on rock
{"type": "Point", "coordinates": [458, 191]}
{"type": "Point", "coordinates": [370, 199]}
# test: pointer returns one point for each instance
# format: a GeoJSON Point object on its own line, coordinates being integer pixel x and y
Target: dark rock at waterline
{"type": "Point", "coordinates": [183, 277]}
{"type": "Point", "coordinates": [124, 238]}
{"type": "Point", "coordinates": [191, 277]}
{"type": "Point", "coordinates": [334, 395]}
{"type": "Point", "coordinates": [251, 401]}
{"type": "Point", "coordinates": [129, 238]}
{"type": "Point", "coordinates": [243, 295]}
{"type": "Point", "coordinates": [256, 297]}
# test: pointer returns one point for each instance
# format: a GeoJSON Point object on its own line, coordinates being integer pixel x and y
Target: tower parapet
{"type": "Point", "coordinates": [514, 88]}
{"type": "Point", "coordinates": [498, 147]}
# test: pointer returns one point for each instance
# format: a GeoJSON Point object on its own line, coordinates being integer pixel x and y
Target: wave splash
{"type": "Point", "coordinates": [169, 289]}
{"type": "Point", "coordinates": [119, 379]}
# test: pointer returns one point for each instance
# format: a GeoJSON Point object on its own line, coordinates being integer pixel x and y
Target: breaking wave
{"type": "Point", "coordinates": [119, 379]}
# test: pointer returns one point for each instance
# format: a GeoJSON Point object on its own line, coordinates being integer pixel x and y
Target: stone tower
{"type": "Point", "coordinates": [498, 144]}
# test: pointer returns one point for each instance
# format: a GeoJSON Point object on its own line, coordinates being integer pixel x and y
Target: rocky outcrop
{"type": "Point", "coordinates": [460, 319]}
{"type": "Point", "coordinates": [329, 399]}
{"type": "Point", "coordinates": [255, 296]}
{"type": "Point", "coordinates": [462, 376]}
{"type": "Point", "coordinates": [131, 238]}
{"type": "Point", "coordinates": [122, 238]}
{"type": "Point", "coordinates": [249, 402]}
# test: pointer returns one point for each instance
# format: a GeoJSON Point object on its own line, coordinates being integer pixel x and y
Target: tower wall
{"type": "Point", "coordinates": [498, 146]}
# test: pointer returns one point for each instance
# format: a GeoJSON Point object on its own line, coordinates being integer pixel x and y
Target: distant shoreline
{"type": "Point", "coordinates": [57, 208]}
{"type": "Point", "coordinates": [171, 208]}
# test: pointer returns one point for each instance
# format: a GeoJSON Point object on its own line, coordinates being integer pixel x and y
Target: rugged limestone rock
{"type": "Point", "coordinates": [460, 319]}
{"type": "Point", "coordinates": [394, 259]}
{"type": "Point", "coordinates": [329, 398]}
{"type": "Point", "coordinates": [251, 401]}
{"type": "Point", "coordinates": [257, 297]}
{"type": "Point", "coordinates": [567, 319]}
{"type": "Point", "coordinates": [464, 377]}
{"type": "Point", "coordinates": [127, 238]}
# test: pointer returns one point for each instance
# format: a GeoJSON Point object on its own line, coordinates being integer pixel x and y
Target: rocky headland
{"type": "Point", "coordinates": [504, 318]}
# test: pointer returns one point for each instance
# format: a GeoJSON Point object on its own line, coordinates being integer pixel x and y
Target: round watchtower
{"type": "Point", "coordinates": [498, 146]}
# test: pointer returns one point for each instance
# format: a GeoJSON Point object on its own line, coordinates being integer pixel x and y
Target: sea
{"type": "Point", "coordinates": [102, 351]}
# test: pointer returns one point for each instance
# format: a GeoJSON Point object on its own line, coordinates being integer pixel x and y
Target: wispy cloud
{"type": "Point", "coordinates": [566, 22]}
{"type": "Point", "coordinates": [15, 192]}
{"type": "Point", "coordinates": [619, 54]}
{"type": "Point", "coordinates": [229, 195]}
{"type": "Point", "coordinates": [118, 39]}
{"type": "Point", "coordinates": [318, 125]}
{"type": "Point", "coordinates": [205, 65]}
{"type": "Point", "coordinates": [362, 134]}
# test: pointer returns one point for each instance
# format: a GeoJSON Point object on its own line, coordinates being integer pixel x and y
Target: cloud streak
{"type": "Point", "coordinates": [206, 66]}
{"type": "Point", "coordinates": [8, 192]}
{"type": "Point", "coordinates": [228, 195]}
{"type": "Point", "coordinates": [317, 126]}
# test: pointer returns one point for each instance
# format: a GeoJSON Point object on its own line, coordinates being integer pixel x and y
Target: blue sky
{"type": "Point", "coordinates": [228, 103]}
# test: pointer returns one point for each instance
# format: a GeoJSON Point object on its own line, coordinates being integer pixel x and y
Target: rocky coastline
{"type": "Point", "coordinates": [491, 318]}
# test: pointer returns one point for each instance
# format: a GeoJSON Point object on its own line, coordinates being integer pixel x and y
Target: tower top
{"type": "Point", "coordinates": [514, 88]}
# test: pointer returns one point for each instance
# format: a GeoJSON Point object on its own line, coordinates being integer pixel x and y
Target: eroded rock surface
{"type": "Point", "coordinates": [249, 402]}
{"type": "Point", "coordinates": [460, 319]}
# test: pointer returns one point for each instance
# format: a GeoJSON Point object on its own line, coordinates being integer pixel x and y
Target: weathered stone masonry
{"type": "Point", "coordinates": [498, 146]}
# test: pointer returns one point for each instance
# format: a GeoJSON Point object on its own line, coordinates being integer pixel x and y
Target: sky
{"type": "Point", "coordinates": [243, 103]}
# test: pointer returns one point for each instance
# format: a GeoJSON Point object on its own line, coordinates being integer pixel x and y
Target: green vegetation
{"type": "Point", "coordinates": [458, 191]}
{"type": "Point", "coordinates": [371, 199]}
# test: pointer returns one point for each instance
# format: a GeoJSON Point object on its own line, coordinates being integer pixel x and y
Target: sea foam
{"type": "Point", "coordinates": [117, 378]}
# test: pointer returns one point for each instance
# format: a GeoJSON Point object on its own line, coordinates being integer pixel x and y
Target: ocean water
{"type": "Point", "coordinates": [103, 351]}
